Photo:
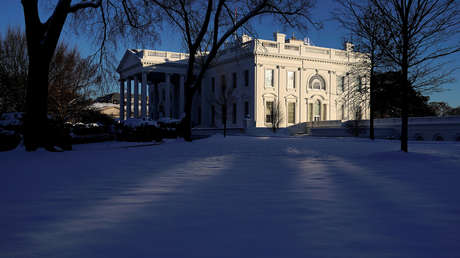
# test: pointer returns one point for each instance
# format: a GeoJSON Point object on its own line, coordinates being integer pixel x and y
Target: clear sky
{"type": "Point", "coordinates": [331, 35]}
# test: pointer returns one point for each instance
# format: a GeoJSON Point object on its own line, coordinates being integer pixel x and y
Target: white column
{"type": "Point", "coordinates": [144, 95]}
{"type": "Point", "coordinates": [122, 100]}
{"type": "Point", "coordinates": [136, 96]}
{"type": "Point", "coordinates": [181, 94]}
{"type": "Point", "coordinates": [168, 95]}
{"type": "Point", "coordinates": [128, 99]}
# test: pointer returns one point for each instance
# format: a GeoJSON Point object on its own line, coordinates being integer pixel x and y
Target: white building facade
{"type": "Point", "coordinates": [252, 79]}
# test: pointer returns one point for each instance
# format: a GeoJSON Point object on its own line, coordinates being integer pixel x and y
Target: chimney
{"type": "Point", "coordinates": [279, 37]}
{"type": "Point", "coordinates": [349, 46]}
{"type": "Point", "coordinates": [245, 38]}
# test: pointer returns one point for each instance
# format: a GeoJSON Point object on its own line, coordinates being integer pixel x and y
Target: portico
{"type": "Point", "coordinates": [149, 89]}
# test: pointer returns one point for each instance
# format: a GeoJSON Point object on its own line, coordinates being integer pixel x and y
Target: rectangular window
{"type": "Point", "coordinates": [223, 114]}
{"type": "Point", "coordinates": [234, 80]}
{"type": "Point", "coordinates": [222, 83]}
{"type": "Point", "coordinates": [213, 115]}
{"type": "Point", "coordinates": [213, 84]}
{"type": "Point", "coordinates": [310, 112]}
{"type": "Point", "coordinates": [359, 84]}
{"type": "Point", "coordinates": [268, 111]}
{"type": "Point", "coordinates": [246, 109]}
{"type": "Point", "coordinates": [291, 112]}
{"type": "Point", "coordinates": [324, 111]}
{"type": "Point", "coordinates": [340, 84]}
{"type": "Point", "coordinates": [269, 77]}
{"type": "Point", "coordinates": [246, 78]}
{"type": "Point", "coordinates": [234, 113]}
{"type": "Point", "coordinates": [290, 80]}
{"type": "Point", "coordinates": [342, 108]}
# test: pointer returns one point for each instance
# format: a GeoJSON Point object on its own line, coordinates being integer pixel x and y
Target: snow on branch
{"type": "Point", "coordinates": [84, 4]}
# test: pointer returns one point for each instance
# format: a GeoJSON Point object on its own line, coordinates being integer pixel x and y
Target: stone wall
{"type": "Point", "coordinates": [420, 128]}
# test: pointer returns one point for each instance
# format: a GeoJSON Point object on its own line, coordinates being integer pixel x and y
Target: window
{"type": "Point", "coordinates": [268, 112]}
{"type": "Point", "coordinates": [317, 83]}
{"type": "Point", "coordinates": [246, 78]}
{"type": "Point", "coordinates": [358, 114]}
{"type": "Point", "coordinates": [290, 80]}
{"type": "Point", "coordinates": [213, 115]}
{"type": "Point", "coordinates": [234, 80]}
{"type": "Point", "coordinates": [224, 114]}
{"type": "Point", "coordinates": [359, 84]}
{"type": "Point", "coordinates": [310, 112]}
{"type": "Point", "coordinates": [213, 84]}
{"type": "Point", "coordinates": [246, 109]}
{"type": "Point", "coordinates": [269, 78]}
{"type": "Point", "coordinates": [223, 84]}
{"type": "Point", "coordinates": [234, 113]}
{"type": "Point", "coordinates": [291, 112]}
{"type": "Point", "coordinates": [342, 108]}
{"type": "Point", "coordinates": [340, 84]}
{"type": "Point", "coordinates": [324, 112]}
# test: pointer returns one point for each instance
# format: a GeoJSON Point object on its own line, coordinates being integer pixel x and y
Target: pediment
{"type": "Point", "coordinates": [291, 96]}
{"type": "Point", "coordinates": [128, 60]}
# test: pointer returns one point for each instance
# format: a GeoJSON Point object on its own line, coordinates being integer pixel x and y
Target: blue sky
{"type": "Point", "coordinates": [331, 35]}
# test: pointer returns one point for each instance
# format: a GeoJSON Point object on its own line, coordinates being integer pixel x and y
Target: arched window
{"type": "Point", "coordinates": [317, 83]}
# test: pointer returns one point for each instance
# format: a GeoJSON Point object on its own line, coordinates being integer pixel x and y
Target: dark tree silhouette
{"type": "Point", "coordinates": [420, 32]}
{"type": "Point", "coordinates": [107, 18]}
{"type": "Point", "coordinates": [365, 27]}
{"type": "Point", "coordinates": [70, 77]}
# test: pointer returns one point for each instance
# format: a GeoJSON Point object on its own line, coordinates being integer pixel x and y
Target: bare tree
{"type": "Point", "coordinates": [276, 115]}
{"type": "Point", "coordinates": [70, 81]}
{"type": "Point", "coordinates": [70, 77]}
{"type": "Point", "coordinates": [420, 32]}
{"type": "Point", "coordinates": [206, 25]}
{"type": "Point", "coordinates": [107, 18]}
{"type": "Point", "coordinates": [224, 100]}
{"type": "Point", "coordinates": [363, 22]}
{"type": "Point", "coordinates": [13, 70]}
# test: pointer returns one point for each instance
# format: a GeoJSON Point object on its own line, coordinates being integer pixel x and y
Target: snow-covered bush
{"type": "Point", "coordinates": [12, 121]}
{"type": "Point", "coordinates": [139, 130]}
{"type": "Point", "coordinates": [10, 130]}
{"type": "Point", "coordinates": [87, 129]}
{"type": "Point", "coordinates": [8, 139]}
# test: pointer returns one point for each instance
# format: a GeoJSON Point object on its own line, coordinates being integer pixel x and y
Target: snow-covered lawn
{"type": "Point", "coordinates": [234, 197]}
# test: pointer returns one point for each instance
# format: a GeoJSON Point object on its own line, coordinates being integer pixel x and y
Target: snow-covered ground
{"type": "Point", "coordinates": [234, 197]}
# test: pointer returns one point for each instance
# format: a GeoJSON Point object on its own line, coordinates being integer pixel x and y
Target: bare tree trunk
{"type": "Point", "coordinates": [188, 115]}
{"type": "Point", "coordinates": [225, 120]}
{"type": "Point", "coordinates": [405, 82]}
{"type": "Point", "coordinates": [404, 111]}
{"type": "Point", "coordinates": [35, 123]}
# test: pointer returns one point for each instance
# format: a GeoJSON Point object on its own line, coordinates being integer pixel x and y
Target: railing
{"type": "Point", "coordinates": [291, 47]}
{"type": "Point", "coordinates": [317, 50]}
{"type": "Point", "coordinates": [269, 44]}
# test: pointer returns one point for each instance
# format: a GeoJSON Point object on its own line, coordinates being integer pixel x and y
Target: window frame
{"type": "Point", "coordinates": [289, 105]}
{"type": "Point", "coordinates": [288, 80]}
{"type": "Point", "coordinates": [269, 112]}
{"type": "Point", "coordinates": [213, 84]}
{"type": "Point", "coordinates": [272, 71]}
{"type": "Point", "coordinates": [246, 78]}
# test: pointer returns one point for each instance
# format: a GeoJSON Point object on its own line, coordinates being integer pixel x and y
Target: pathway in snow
{"type": "Point", "coordinates": [233, 197]}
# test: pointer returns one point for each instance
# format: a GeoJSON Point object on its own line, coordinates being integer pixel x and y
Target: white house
{"type": "Point", "coordinates": [308, 83]}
